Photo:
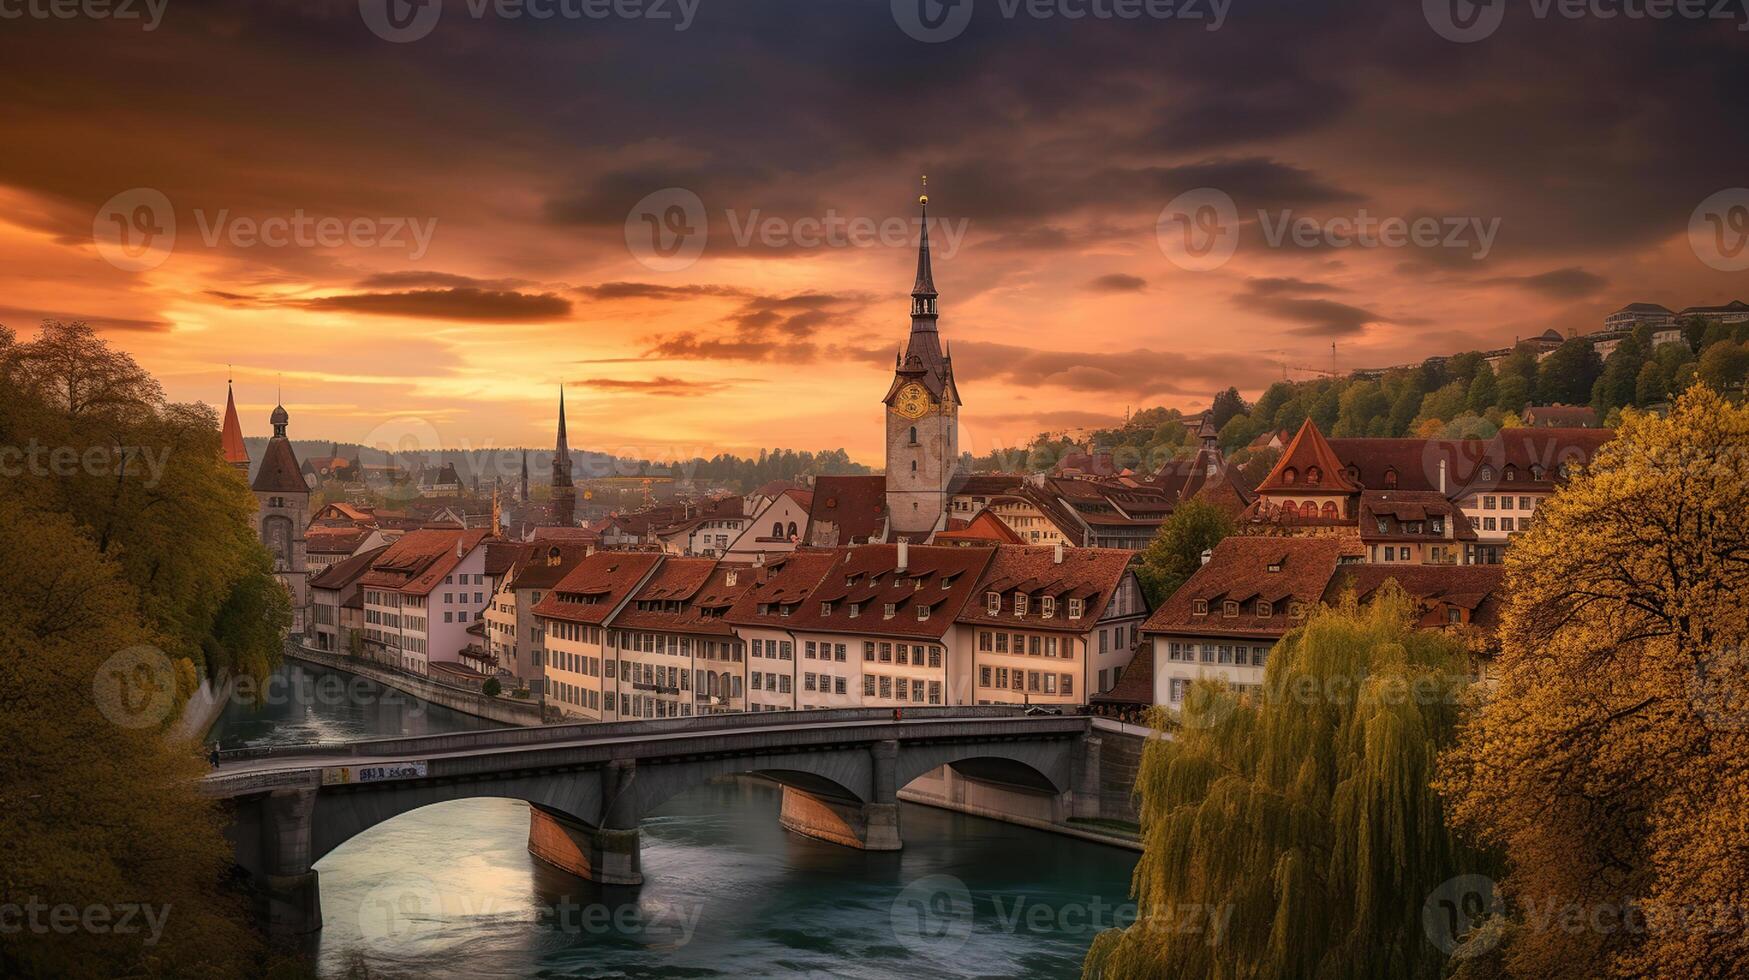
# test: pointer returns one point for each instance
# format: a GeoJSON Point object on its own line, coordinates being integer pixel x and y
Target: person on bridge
{"type": "Point", "coordinates": [214, 757]}
{"type": "Point", "coordinates": [898, 714]}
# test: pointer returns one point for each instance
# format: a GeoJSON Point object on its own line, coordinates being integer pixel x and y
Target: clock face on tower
{"type": "Point", "coordinates": [913, 401]}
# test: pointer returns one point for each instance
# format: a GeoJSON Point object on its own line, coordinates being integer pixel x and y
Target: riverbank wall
{"type": "Point", "coordinates": [503, 710]}
{"type": "Point", "coordinates": [203, 708]}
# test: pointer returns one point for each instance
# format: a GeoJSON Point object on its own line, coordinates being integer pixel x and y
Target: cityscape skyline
{"type": "Point", "coordinates": [496, 215]}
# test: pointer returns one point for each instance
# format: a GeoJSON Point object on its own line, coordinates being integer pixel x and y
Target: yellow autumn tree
{"type": "Point", "coordinates": [1611, 763]}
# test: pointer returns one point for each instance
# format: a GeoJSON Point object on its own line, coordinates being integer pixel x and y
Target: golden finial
{"type": "Point", "coordinates": [923, 198]}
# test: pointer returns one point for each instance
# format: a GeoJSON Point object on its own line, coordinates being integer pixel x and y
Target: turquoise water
{"type": "Point", "coordinates": [451, 891]}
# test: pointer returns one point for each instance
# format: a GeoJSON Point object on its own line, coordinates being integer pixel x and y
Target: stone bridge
{"type": "Point", "coordinates": [588, 785]}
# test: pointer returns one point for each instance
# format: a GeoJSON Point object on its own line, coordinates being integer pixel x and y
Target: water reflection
{"type": "Point", "coordinates": [309, 704]}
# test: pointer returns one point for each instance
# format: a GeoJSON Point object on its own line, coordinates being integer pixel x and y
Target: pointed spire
{"type": "Point", "coordinates": [231, 432]}
{"type": "Point", "coordinates": [923, 294]}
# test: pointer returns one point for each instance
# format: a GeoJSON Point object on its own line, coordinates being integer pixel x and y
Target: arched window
{"type": "Point", "coordinates": [1314, 476]}
{"type": "Point", "coordinates": [1511, 473]}
{"type": "Point", "coordinates": [1487, 474]}
{"type": "Point", "coordinates": [913, 435]}
{"type": "Point", "coordinates": [1309, 509]}
{"type": "Point", "coordinates": [1329, 510]}
{"type": "Point", "coordinates": [1290, 475]}
{"type": "Point", "coordinates": [1390, 479]}
{"type": "Point", "coordinates": [1536, 471]}
{"type": "Point", "coordinates": [792, 529]}
{"type": "Point", "coordinates": [1353, 472]}
{"type": "Point", "coordinates": [777, 529]}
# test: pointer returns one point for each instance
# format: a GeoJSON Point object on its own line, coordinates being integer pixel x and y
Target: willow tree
{"type": "Point", "coordinates": [1297, 825]}
{"type": "Point", "coordinates": [1612, 763]}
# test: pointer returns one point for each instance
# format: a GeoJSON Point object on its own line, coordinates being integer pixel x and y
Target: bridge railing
{"type": "Point", "coordinates": [414, 745]}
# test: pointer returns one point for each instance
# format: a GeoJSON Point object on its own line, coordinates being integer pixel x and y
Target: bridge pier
{"type": "Point", "coordinates": [871, 826]}
{"type": "Point", "coordinates": [608, 854]}
{"type": "Point", "coordinates": [288, 882]}
{"type": "Point", "coordinates": [610, 857]}
{"type": "Point", "coordinates": [1085, 802]}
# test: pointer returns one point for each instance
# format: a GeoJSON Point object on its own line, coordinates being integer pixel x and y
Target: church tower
{"type": "Point", "coordinates": [282, 512]}
{"type": "Point", "coordinates": [231, 434]}
{"type": "Point", "coordinates": [564, 494]}
{"type": "Point", "coordinates": [922, 408]}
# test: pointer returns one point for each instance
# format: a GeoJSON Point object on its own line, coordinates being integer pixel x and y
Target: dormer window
{"type": "Point", "coordinates": [1274, 566]}
{"type": "Point", "coordinates": [1265, 609]}
{"type": "Point", "coordinates": [1536, 471]}
{"type": "Point", "coordinates": [1198, 607]}
{"type": "Point", "coordinates": [1384, 525]}
{"type": "Point", "coordinates": [1390, 479]}
{"type": "Point", "coordinates": [1314, 476]}
{"type": "Point", "coordinates": [1487, 473]}
{"type": "Point", "coordinates": [855, 609]}
{"type": "Point", "coordinates": [1353, 472]}
{"type": "Point", "coordinates": [1290, 476]}
{"type": "Point", "coordinates": [1511, 473]}
{"type": "Point", "coordinates": [732, 578]}
{"type": "Point", "coordinates": [1047, 607]}
{"type": "Point", "coordinates": [1076, 607]}
{"type": "Point", "coordinates": [993, 602]}
{"type": "Point", "coordinates": [1229, 609]}
{"type": "Point", "coordinates": [1019, 603]}
{"type": "Point", "coordinates": [825, 609]}
{"type": "Point", "coordinates": [889, 610]}
{"type": "Point", "coordinates": [1437, 524]}
{"type": "Point", "coordinates": [1454, 616]}
{"type": "Point", "coordinates": [1296, 609]}
{"type": "Point", "coordinates": [922, 611]}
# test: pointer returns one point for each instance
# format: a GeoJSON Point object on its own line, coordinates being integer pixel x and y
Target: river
{"type": "Point", "coordinates": [451, 890]}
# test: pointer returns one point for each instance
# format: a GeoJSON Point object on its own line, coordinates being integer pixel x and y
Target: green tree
{"type": "Point", "coordinates": [1484, 390]}
{"type": "Point", "coordinates": [1301, 820]}
{"type": "Point", "coordinates": [1614, 388]}
{"type": "Point", "coordinates": [1723, 366]}
{"type": "Point", "coordinates": [1176, 551]}
{"type": "Point", "coordinates": [1649, 386]}
{"type": "Point", "coordinates": [1567, 374]}
{"type": "Point", "coordinates": [1226, 405]}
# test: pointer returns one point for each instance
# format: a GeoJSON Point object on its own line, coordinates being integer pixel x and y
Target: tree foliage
{"type": "Point", "coordinates": [1175, 553]}
{"type": "Point", "coordinates": [1611, 765]}
{"type": "Point", "coordinates": [1302, 816]}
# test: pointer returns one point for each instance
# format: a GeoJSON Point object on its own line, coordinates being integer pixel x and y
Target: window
{"type": "Point", "coordinates": [922, 612]}
{"type": "Point", "coordinates": [1199, 607]}
{"type": "Point", "coordinates": [825, 609]}
{"type": "Point", "coordinates": [1047, 607]}
{"type": "Point", "coordinates": [1390, 479]}
{"type": "Point", "coordinates": [1020, 603]}
{"type": "Point", "coordinates": [1487, 473]}
{"type": "Point", "coordinates": [983, 677]}
{"type": "Point", "coordinates": [1290, 475]}
{"type": "Point", "coordinates": [1314, 476]}
{"type": "Point", "coordinates": [868, 685]}
{"type": "Point", "coordinates": [993, 603]}
{"type": "Point", "coordinates": [1487, 503]}
{"type": "Point", "coordinates": [1075, 608]}
{"type": "Point", "coordinates": [889, 610]}
{"type": "Point", "coordinates": [913, 442]}
{"type": "Point", "coordinates": [1265, 609]}
{"type": "Point", "coordinates": [1229, 609]}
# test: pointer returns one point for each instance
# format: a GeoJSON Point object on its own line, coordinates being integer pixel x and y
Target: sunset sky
{"type": "Point", "coordinates": [526, 145]}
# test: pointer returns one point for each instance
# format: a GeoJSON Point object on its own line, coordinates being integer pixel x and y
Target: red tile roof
{"type": "Point", "coordinates": [984, 528]}
{"type": "Point", "coordinates": [866, 579]}
{"type": "Point", "coordinates": [1239, 570]}
{"type": "Point", "coordinates": [687, 595]}
{"type": "Point", "coordinates": [1089, 574]}
{"type": "Point", "coordinates": [596, 586]}
{"type": "Point", "coordinates": [1308, 451]}
{"type": "Point", "coordinates": [847, 510]}
{"type": "Point", "coordinates": [1479, 590]}
{"type": "Point", "coordinates": [346, 572]}
{"type": "Point", "coordinates": [787, 582]}
{"type": "Point", "coordinates": [1136, 684]}
{"type": "Point", "coordinates": [1402, 509]}
{"type": "Point", "coordinates": [324, 540]}
{"type": "Point", "coordinates": [417, 561]}
{"type": "Point", "coordinates": [547, 565]}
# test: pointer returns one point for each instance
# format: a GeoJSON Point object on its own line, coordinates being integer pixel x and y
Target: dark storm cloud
{"type": "Point", "coordinates": [1117, 282]}
{"type": "Point", "coordinates": [650, 290]}
{"type": "Point", "coordinates": [665, 386]}
{"type": "Point", "coordinates": [1277, 285]}
{"type": "Point", "coordinates": [465, 303]}
{"type": "Point", "coordinates": [16, 317]}
{"type": "Point", "coordinates": [1317, 317]}
{"type": "Point", "coordinates": [1569, 283]}
{"type": "Point", "coordinates": [1140, 371]}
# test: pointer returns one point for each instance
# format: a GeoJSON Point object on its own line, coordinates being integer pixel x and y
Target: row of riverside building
{"type": "Point", "coordinates": [921, 586]}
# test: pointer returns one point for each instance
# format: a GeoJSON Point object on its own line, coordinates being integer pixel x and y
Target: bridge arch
{"type": "Point", "coordinates": [338, 817]}
{"type": "Point", "coordinates": [1043, 766]}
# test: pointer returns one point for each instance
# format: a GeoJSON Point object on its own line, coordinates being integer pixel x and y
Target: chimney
{"type": "Point", "coordinates": [1442, 465]}
{"type": "Point", "coordinates": [904, 555]}
{"type": "Point", "coordinates": [1207, 553]}
{"type": "Point", "coordinates": [1058, 557]}
{"type": "Point", "coordinates": [461, 550]}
